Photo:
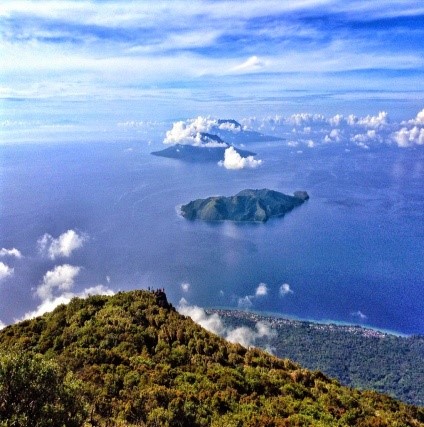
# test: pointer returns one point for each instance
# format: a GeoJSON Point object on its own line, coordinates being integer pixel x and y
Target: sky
{"type": "Point", "coordinates": [75, 66]}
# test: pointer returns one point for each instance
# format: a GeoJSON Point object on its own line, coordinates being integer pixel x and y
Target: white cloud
{"type": "Point", "coordinates": [252, 64]}
{"type": "Point", "coordinates": [234, 161]}
{"type": "Point", "coordinates": [51, 303]}
{"type": "Point", "coordinates": [190, 132]}
{"type": "Point", "coordinates": [245, 302]}
{"type": "Point", "coordinates": [61, 278]}
{"type": "Point", "coordinates": [2, 325]}
{"type": "Point", "coordinates": [185, 287]}
{"type": "Point", "coordinates": [5, 271]}
{"type": "Point", "coordinates": [285, 290]}
{"type": "Point", "coordinates": [378, 121]}
{"type": "Point", "coordinates": [212, 323]}
{"type": "Point", "coordinates": [63, 246]}
{"type": "Point", "coordinates": [359, 315]}
{"type": "Point", "coordinates": [408, 137]}
{"type": "Point", "coordinates": [245, 336]}
{"type": "Point", "coordinates": [261, 290]}
{"type": "Point", "coordinates": [10, 252]}
{"type": "Point", "coordinates": [333, 136]}
{"type": "Point", "coordinates": [418, 120]}
{"type": "Point", "coordinates": [56, 288]}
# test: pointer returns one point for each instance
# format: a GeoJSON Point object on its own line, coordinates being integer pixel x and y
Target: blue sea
{"type": "Point", "coordinates": [352, 253]}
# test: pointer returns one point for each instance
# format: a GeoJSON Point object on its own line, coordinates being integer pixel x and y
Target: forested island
{"type": "Point", "coordinates": [198, 154]}
{"type": "Point", "coordinates": [245, 206]}
{"type": "Point", "coordinates": [356, 356]}
{"type": "Point", "coordinates": [131, 360]}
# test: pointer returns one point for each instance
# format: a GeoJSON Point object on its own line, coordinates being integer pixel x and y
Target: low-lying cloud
{"type": "Point", "coordinates": [234, 161]}
{"type": "Point", "coordinates": [243, 335]}
{"type": "Point", "coordinates": [63, 246]}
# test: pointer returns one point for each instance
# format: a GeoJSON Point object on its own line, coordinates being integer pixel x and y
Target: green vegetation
{"type": "Point", "coordinates": [34, 391]}
{"type": "Point", "coordinates": [247, 205]}
{"type": "Point", "coordinates": [357, 357]}
{"type": "Point", "coordinates": [134, 361]}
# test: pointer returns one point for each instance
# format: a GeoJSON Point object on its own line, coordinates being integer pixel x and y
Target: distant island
{"type": "Point", "coordinates": [247, 205]}
{"type": "Point", "coordinates": [198, 153]}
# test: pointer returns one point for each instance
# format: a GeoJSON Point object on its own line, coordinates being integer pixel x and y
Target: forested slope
{"type": "Point", "coordinates": [133, 360]}
{"type": "Point", "coordinates": [356, 356]}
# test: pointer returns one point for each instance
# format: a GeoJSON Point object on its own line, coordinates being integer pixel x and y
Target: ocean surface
{"type": "Point", "coordinates": [353, 253]}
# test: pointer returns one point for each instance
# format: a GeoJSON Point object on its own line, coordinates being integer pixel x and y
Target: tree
{"type": "Point", "coordinates": [35, 392]}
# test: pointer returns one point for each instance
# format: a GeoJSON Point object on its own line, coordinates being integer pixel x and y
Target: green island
{"type": "Point", "coordinates": [358, 357]}
{"type": "Point", "coordinates": [245, 206]}
{"type": "Point", "coordinates": [132, 360]}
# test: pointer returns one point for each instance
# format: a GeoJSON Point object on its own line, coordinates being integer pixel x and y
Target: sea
{"type": "Point", "coordinates": [353, 253]}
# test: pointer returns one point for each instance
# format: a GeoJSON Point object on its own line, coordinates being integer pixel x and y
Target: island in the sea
{"type": "Point", "coordinates": [201, 153]}
{"type": "Point", "coordinates": [246, 206]}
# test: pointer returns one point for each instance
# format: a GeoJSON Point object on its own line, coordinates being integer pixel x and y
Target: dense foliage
{"type": "Point", "coordinates": [356, 357]}
{"type": "Point", "coordinates": [141, 363]}
{"type": "Point", "coordinates": [36, 392]}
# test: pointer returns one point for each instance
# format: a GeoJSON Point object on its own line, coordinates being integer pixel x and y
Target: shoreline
{"type": "Point", "coordinates": [255, 315]}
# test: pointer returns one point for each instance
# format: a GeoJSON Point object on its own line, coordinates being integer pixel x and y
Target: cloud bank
{"type": "Point", "coordinates": [245, 336]}
{"type": "Point", "coordinates": [314, 130]}
{"type": "Point", "coordinates": [63, 246]}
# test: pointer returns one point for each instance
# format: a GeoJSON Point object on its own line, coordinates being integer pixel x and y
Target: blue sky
{"type": "Point", "coordinates": [93, 63]}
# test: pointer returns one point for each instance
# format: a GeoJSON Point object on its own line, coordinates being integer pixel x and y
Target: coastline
{"type": "Point", "coordinates": [279, 318]}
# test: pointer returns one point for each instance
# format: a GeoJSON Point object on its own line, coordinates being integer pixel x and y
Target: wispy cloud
{"type": "Point", "coordinates": [173, 61]}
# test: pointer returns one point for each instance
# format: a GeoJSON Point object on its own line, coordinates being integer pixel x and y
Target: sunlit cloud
{"type": "Point", "coordinates": [61, 278]}
{"type": "Point", "coordinates": [185, 287]}
{"type": "Point", "coordinates": [63, 246]}
{"type": "Point", "coordinates": [234, 161]}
